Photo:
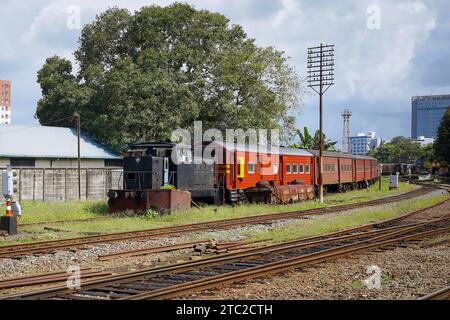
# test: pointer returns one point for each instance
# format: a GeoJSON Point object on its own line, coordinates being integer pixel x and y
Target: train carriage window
{"type": "Point", "coordinates": [307, 168]}
{"type": "Point", "coordinates": [301, 168]}
{"type": "Point", "coordinates": [251, 167]}
{"type": "Point", "coordinates": [131, 176]}
{"type": "Point", "coordinates": [288, 168]}
{"type": "Point", "coordinates": [295, 168]}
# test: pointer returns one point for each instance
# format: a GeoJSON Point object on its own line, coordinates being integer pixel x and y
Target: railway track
{"type": "Point", "coordinates": [211, 272]}
{"type": "Point", "coordinates": [49, 278]}
{"type": "Point", "coordinates": [85, 242]}
{"type": "Point", "coordinates": [441, 294]}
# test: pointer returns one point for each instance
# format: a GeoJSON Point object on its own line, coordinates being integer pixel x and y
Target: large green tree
{"type": "Point", "coordinates": [142, 75]}
{"type": "Point", "coordinates": [442, 143]}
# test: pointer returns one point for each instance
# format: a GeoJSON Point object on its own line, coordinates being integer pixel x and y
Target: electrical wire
{"type": "Point", "coordinates": [31, 127]}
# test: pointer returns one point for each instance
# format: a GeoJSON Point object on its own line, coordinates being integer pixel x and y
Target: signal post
{"type": "Point", "coordinates": [8, 222]}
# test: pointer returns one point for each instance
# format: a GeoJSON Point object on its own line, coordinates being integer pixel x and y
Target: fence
{"type": "Point", "coordinates": [60, 184]}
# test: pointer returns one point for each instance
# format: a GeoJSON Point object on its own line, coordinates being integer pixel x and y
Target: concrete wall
{"type": "Point", "coordinates": [54, 184]}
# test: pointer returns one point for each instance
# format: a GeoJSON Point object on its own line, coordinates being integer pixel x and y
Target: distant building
{"type": "Point", "coordinates": [5, 102]}
{"type": "Point", "coordinates": [423, 141]}
{"type": "Point", "coordinates": [427, 112]}
{"type": "Point", "coordinates": [52, 147]}
{"type": "Point", "coordinates": [363, 142]}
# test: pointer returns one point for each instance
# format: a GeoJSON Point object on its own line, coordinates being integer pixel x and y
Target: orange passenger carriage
{"type": "Point", "coordinates": [343, 171]}
{"type": "Point", "coordinates": [256, 173]}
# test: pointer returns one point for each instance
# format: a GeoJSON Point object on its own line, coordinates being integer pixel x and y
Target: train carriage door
{"type": "Point", "coordinates": [166, 170]}
{"type": "Point", "coordinates": [339, 173]}
{"type": "Point", "coordinates": [281, 170]}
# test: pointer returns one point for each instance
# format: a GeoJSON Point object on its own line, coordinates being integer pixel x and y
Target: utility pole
{"type": "Point", "coordinates": [78, 124]}
{"type": "Point", "coordinates": [320, 79]}
{"type": "Point", "coordinates": [380, 169]}
{"type": "Point", "coordinates": [346, 114]}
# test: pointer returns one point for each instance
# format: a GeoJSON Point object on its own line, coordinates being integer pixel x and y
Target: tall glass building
{"type": "Point", "coordinates": [427, 112]}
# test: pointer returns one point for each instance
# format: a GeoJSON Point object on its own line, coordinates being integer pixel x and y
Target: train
{"type": "Point", "coordinates": [237, 173]}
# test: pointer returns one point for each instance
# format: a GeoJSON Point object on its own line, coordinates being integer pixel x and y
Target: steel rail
{"type": "Point", "coordinates": [80, 242]}
{"type": "Point", "coordinates": [49, 278]}
{"type": "Point", "coordinates": [246, 255]}
{"type": "Point", "coordinates": [272, 268]}
{"type": "Point", "coordinates": [441, 294]}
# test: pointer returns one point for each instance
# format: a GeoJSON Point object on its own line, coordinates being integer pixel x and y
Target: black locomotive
{"type": "Point", "coordinates": [150, 166]}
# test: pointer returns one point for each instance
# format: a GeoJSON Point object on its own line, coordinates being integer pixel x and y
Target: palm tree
{"type": "Point", "coordinates": [306, 141]}
{"type": "Point", "coordinates": [328, 144]}
{"type": "Point", "coordinates": [309, 142]}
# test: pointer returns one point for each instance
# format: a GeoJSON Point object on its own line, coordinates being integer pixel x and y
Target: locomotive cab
{"type": "Point", "coordinates": [154, 165]}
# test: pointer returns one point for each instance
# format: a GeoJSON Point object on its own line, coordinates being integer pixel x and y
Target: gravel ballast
{"type": "Point", "coordinates": [61, 260]}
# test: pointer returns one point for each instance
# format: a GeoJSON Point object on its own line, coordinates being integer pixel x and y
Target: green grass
{"type": "Point", "coordinates": [357, 217]}
{"type": "Point", "coordinates": [40, 212]}
{"type": "Point", "coordinates": [34, 211]}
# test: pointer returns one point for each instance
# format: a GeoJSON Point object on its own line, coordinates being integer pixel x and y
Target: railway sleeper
{"type": "Point", "coordinates": [137, 285]}
{"type": "Point", "coordinates": [95, 293]}
{"type": "Point", "coordinates": [120, 289]}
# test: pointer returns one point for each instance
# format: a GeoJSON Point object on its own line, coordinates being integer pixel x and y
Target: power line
{"type": "Point", "coordinates": [32, 127]}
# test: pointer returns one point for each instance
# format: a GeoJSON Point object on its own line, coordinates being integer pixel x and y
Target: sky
{"type": "Point", "coordinates": [386, 51]}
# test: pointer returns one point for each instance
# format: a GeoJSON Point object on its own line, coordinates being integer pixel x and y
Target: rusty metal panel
{"type": "Point", "coordinates": [293, 193]}
{"type": "Point", "coordinates": [167, 201]}
{"type": "Point", "coordinates": [163, 201]}
{"type": "Point", "coordinates": [310, 192]}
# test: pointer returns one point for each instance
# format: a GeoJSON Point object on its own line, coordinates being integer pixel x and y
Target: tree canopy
{"type": "Point", "coordinates": [398, 150]}
{"type": "Point", "coordinates": [442, 143]}
{"type": "Point", "coordinates": [142, 75]}
{"type": "Point", "coordinates": [309, 142]}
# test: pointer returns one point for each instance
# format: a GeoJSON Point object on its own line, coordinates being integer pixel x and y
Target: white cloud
{"type": "Point", "coordinates": [373, 67]}
{"type": "Point", "coordinates": [290, 9]}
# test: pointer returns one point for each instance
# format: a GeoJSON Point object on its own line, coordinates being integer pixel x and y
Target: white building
{"type": "Point", "coordinates": [363, 142]}
{"type": "Point", "coordinates": [5, 115]}
{"type": "Point", "coordinates": [52, 147]}
{"type": "Point", "coordinates": [423, 141]}
{"type": "Point", "coordinates": [5, 102]}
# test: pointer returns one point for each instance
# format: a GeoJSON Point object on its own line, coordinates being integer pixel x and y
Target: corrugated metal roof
{"type": "Point", "coordinates": [340, 155]}
{"type": "Point", "coordinates": [49, 142]}
{"type": "Point", "coordinates": [263, 149]}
